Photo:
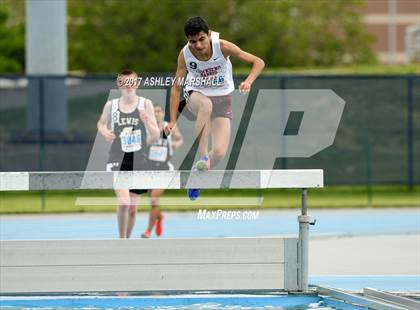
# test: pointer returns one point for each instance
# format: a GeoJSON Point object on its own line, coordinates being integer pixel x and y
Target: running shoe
{"type": "Point", "coordinates": [202, 165]}
{"type": "Point", "coordinates": [159, 225]}
{"type": "Point", "coordinates": [146, 234]}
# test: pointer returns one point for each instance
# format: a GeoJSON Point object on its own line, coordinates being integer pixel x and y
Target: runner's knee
{"type": "Point", "coordinates": [154, 201]}
{"type": "Point", "coordinates": [218, 153]}
{"type": "Point", "coordinates": [132, 210]}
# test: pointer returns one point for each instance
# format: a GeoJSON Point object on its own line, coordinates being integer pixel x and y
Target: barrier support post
{"type": "Point", "coordinates": [303, 247]}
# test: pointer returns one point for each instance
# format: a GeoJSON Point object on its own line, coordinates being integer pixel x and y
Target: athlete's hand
{"type": "Point", "coordinates": [245, 87]}
{"type": "Point", "coordinates": [108, 135]}
{"type": "Point", "coordinates": [169, 127]}
{"type": "Point", "coordinates": [144, 117]}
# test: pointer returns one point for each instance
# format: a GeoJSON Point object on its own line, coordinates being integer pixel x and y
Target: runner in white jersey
{"type": "Point", "coordinates": [205, 58]}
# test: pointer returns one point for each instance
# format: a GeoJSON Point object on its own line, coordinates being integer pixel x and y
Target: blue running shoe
{"type": "Point", "coordinates": [193, 193]}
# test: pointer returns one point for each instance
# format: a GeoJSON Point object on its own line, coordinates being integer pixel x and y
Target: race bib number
{"type": "Point", "coordinates": [158, 153]}
{"type": "Point", "coordinates": [130, 140]}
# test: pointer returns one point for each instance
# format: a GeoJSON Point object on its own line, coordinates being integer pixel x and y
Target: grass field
{"type": "Point", "coordinates": [330, 197]}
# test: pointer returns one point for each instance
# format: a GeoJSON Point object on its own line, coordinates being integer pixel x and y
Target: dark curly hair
{"type": "Point", "coordinates": [194, 25]}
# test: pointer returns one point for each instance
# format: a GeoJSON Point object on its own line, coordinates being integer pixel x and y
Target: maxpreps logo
{"type": "Point", "coordinates": [238, 215]}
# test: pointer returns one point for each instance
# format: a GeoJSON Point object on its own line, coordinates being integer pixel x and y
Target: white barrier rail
{"type": "Point", "coordinates": [287, 178]}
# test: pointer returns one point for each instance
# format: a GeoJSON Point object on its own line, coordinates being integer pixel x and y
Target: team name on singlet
{"type": "Point", "coordinates": [209, 71]}
{"type": "Point", "coordinates": [123, 121]}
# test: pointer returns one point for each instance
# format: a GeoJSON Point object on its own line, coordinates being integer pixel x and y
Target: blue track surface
{"type": "Point", "coordinates": [270, 223]}
{"type": "Point", "coordinates": [277, 223]}
{"type": "Point", "coordinates": [403, 283]}
{"type": "Point", "coordinates": [178, 302]}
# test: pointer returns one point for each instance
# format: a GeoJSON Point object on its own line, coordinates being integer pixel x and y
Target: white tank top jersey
{"type": "Point", "coordinates": [212, 77]}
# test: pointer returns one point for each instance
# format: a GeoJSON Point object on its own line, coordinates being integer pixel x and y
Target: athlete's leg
{"type": "Point", "coordinates": [220, 138]}
{"type": "Point", "coordinates": [155, 213]}
{"type": "Point", "coordinates": [132, 212]}
{"type": "Point", "coordinates": [123, 197]}
{"type": "Point", "coordinates": [201, 106]}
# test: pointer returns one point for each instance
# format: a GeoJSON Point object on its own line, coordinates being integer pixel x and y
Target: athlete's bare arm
{"type": "Point", "coordinates": [147, 116]}
{"type": "Point", "coordinates": [230, 49]}
{"type": "Point", "coordinates": [180, 74]}
{"type": "Point", "coordinates": [103, 123]}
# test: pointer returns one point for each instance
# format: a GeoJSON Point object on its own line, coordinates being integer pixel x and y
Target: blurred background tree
{"type": "Point", "coordinates": [146, 35]}
{"type": "Point", "coordinates": [12, 42]}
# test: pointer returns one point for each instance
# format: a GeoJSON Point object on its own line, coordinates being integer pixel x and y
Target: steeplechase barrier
{"type": "Point", "coordinates": [167, 264]}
